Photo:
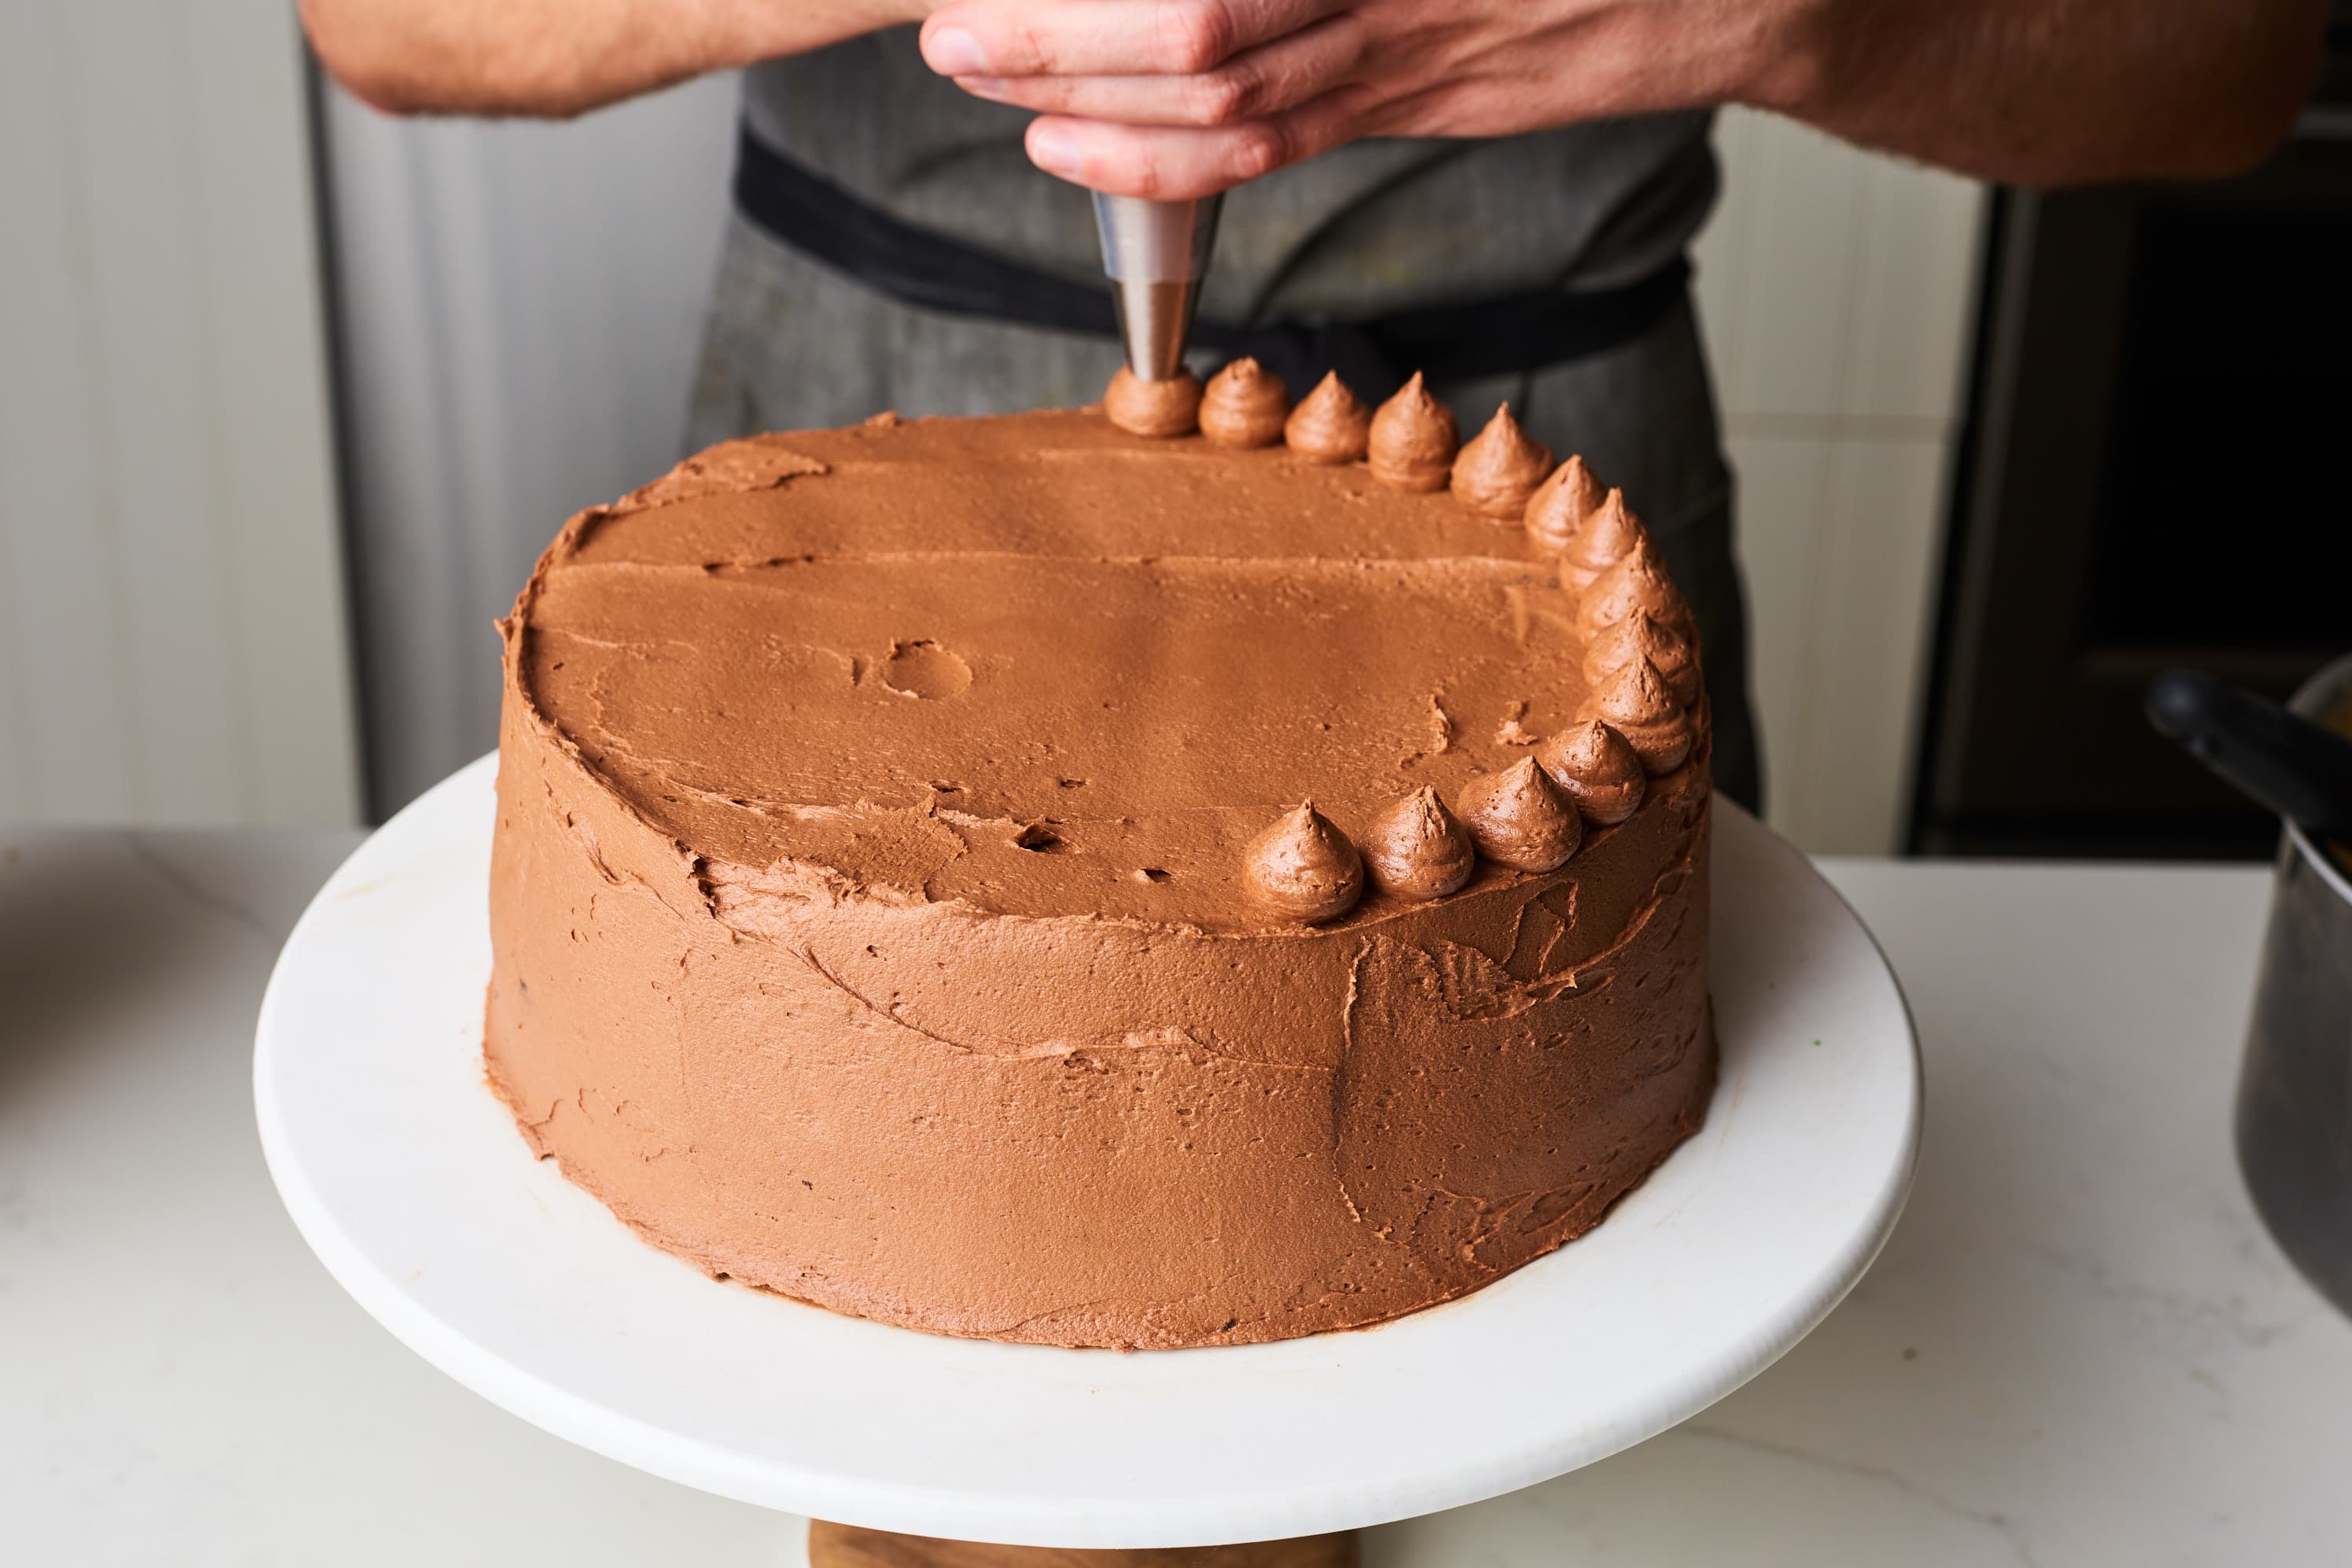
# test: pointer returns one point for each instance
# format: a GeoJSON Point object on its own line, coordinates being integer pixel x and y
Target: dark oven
{"type": "Point", "coordinates": [2153, 472]}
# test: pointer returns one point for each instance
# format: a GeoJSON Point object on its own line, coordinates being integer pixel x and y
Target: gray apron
{"type": "Point", "coordinates": [1373, 228]}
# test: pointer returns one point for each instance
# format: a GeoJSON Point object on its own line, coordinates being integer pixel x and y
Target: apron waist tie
{"type": "Point", "coordinates": [1507, 334]}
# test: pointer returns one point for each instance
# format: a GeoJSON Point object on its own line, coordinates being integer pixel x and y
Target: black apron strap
{"type": "Point", "coordinates": [1505, 335]}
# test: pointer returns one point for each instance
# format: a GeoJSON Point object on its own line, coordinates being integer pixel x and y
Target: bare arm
{"type": "Point", "coordinates": [560, 57]}
{"type": "Point", "coordinates": [1178, 97]}
{"type": "Point", "coordinates": [2052, 92]}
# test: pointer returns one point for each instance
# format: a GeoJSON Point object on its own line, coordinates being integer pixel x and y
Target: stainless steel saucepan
{"type": "Point", "coordinates": [2294, 1093]}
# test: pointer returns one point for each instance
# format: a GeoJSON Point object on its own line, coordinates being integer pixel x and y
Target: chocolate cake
{"type": "Point", "coordinates": [1023, 878]}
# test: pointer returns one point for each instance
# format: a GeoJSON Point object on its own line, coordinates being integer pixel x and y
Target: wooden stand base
{"type": "Point", "coordinates": [846, 1546]}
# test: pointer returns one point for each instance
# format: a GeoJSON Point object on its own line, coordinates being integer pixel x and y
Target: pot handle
{"type": "Point", "coordinates": [2297, 768]}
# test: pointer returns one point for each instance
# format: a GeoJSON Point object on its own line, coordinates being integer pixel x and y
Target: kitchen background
{"type": "Point", "coordinates": [291, 395]}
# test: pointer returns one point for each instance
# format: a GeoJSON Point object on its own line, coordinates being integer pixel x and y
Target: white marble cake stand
{"type": "Point", "coordinates": [409, 1180]}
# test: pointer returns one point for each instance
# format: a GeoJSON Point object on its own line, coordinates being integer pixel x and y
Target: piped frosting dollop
{"type": "Point", "coordinates": [1332, 426]}
{"type": "Point", "coordinates": [1418, 849]}
{"type": "Point", "coordinates": [1597, 768]}
{"type": "Point", "coordinates": [1519, 818]}
{"type": "Point", "coordinates": [1636, 585]}
{"type": "Point", "coordinates": [1413, 440]}
{"type": "Point", "coordinates": [1601, 540]}
{"type": "Point", "coordinates": [1643, 637]}
{"type": "Point", "coordinates": [1304, 867]}
{"type": "Point", "coordinates": [1500, 470]}
{"type": "Point", "coordinates": [1636, 702]}
{"type": "Point", "coordinates": [1558, 508]}
{"type": "Point", "coordinates": [1155, 408]}
{"type": "Point", "coordinates": [1245, 406]}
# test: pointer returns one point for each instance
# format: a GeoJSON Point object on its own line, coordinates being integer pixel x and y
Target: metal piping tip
{"type": "Point", "coordinates": [1156, 254]}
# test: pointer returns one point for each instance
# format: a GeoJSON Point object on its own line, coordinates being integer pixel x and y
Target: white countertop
{"type": "Point", "coordinates": [2079, 1348]}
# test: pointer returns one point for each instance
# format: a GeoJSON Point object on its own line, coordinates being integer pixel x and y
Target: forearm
{"type": "Point", "coordinates": [558, 57]}
{"type": "Point", "coordinates": [2053, 91]}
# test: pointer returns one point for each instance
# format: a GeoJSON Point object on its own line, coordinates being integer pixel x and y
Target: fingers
{"type": "Point", "coordinates": [1258, 82]}
{"type": "Point", "coordinates": [1179, 163]}
{"type": "Point", "coordinates": [1105, 38]}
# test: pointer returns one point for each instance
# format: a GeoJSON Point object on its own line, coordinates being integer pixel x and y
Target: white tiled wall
{"type": "Point", "coordinates": [171, 643]}
{"type": "Point", "coordinates": [1836, 289]}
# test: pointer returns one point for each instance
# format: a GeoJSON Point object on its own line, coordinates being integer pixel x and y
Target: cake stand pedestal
{"type": "Point", "coordinates": [847, 1546]}
{"type": "Point", "coordinates": [410, 1181]}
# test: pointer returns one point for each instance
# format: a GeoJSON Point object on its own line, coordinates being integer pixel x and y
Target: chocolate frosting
{"type": "Point", "coordinates": [1500, 470]}
{"type": "Point", "coordinates": [1245, 406]}
{"type": "Point", "coordinates": [1596, 768]}
{"type": "Point", "coordinates": [1636, 702]}
{"type": "Point", "coordinates": [870, 913]}
{"type": "Point", "coordinates": [1413, 440]}
{"type": "Point", "coordinates": [893, 668]}
{"type": "Point", "coordinates": [730, 467]}
{"type": "Point", "coordinates": [1155, 408]}
{"type": "Point", "coordinates": [1332, 425]}
{"type": "Point", "coordinates": [1557, 509]}
{"type": "Point", "coordinates": [1636, 585]}
{"type": "Point", "coordinates": [1643, 637]}
{"type": "Point", "coordinates": [1416, 849]}
{"type": "Point", "coordinates": [1600, 544]}
{"type": "Point", "coordinates": [1303, 868]}
{"type": "Point", "coordinates": [1519, 818]}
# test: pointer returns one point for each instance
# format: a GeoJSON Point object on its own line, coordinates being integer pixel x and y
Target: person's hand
{"type": "Point", "coordinates": [1174, 99]}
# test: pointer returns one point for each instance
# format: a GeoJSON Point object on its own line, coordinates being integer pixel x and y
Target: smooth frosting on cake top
{"type": "Point", "coordinates": [1036, 666]}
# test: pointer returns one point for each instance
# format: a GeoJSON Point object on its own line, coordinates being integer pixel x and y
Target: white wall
{"type": "Point", "coordinates": [1836, 289]}
{"type": "Point", "coordinates": [171, 631]}
{"type": "Point", "coordinates": [520, 305]}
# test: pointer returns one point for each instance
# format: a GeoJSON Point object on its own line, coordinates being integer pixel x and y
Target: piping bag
{"type": "Point", "coordinates": [1156, 255]}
